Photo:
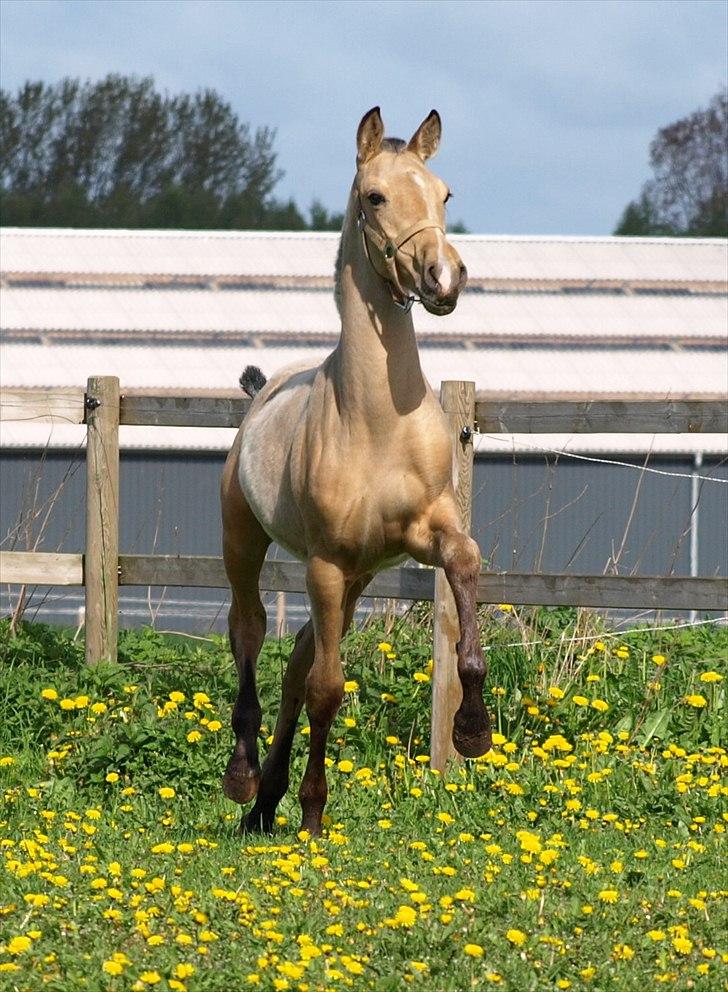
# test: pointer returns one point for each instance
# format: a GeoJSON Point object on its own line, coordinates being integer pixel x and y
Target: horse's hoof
{"type": "Point", "coordinates": [472, 738]}
{"type": "Point", "coordinates": [257, 822]}
{"type": "Point", "coordinates": [241, 788]}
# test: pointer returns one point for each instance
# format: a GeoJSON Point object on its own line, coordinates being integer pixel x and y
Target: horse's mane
{"type": "Point", "coordinates": [396, 145]}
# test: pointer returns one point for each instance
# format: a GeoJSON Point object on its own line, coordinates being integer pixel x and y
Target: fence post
{"type": "Point", "coordinates": [458, 402]}
{"type": "Point", "coordinates": [101, 559]}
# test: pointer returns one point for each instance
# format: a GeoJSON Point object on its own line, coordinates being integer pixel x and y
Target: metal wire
{"type": "Point", "coordinates": [606, 634]}
{"type": "Point", "coordinates": [602, 461]}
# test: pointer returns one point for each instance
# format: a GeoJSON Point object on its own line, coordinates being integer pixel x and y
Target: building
{"type": "Point", "coordinates": [181, 311]}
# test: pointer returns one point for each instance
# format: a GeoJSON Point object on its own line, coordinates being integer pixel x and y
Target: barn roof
{"type": "Point", "coordinates": [56, 251]}
{"type": "Point", "coordinates": [186, 310]}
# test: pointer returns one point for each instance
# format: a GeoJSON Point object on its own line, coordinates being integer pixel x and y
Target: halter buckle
{"type": "Point", "coordinates": [406, 306]}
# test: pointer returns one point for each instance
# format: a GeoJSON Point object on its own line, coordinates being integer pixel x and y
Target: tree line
{"type": "Point", "coordinates": [118, 153]}
{"type": "Point", "coordinates": [687, 195]}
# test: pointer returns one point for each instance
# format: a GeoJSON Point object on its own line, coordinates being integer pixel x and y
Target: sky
{"type": "Point", "coordinates": [548, 106]}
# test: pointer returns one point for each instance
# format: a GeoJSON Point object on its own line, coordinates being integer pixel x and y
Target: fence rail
{"type": "Point", "coordinates": [523, 588]}
{"type": "Point", "coordinates": [102, 569]}
{"type": "Point", "coordinates": [492, 416]}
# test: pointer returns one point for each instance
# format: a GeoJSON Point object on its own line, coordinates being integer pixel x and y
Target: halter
{"type": "Point", "coordinates": [388, 248]}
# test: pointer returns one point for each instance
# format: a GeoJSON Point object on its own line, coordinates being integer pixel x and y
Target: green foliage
{"type": "Point", "coordinates": [118, 153]}
{"type": "Point", "coordinates": [582, 852]}
{"type": "Point", "coordinates": [688, 194]}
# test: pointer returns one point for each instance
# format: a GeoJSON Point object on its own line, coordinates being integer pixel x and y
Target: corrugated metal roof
{"type": "Point", "coordinates": [312, 254]}
{"type": "Point", "coordinates": [588, 371]}
{"type": "Point", "coordinates": [61, 435]}
{"type": "Point", "coordinates": [292, 312]}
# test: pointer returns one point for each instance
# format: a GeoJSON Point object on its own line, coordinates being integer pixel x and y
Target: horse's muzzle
{"type": "Point", "coordinates": [441, 295]}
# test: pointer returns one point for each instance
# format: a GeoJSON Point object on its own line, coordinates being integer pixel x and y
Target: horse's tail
{"type": "Point", "coordinates": [252, 380]}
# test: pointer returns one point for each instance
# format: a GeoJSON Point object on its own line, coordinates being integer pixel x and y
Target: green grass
{"type": "Point", "coordinates": [583, 852]}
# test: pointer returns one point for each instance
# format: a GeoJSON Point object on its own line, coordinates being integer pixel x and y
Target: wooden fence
{"type": "Point", "coordinates": [102, 408]}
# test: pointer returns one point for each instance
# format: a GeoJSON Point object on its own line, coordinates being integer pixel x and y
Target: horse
{"type": "Point", "coordinates": [349, 466]}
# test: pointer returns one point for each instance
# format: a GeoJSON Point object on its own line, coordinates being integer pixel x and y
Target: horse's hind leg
{"type": "Point", "coordinates": [244, 546]}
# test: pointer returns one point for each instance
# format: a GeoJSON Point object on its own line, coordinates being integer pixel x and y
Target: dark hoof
{"type": "Point", "coordinates": [257, 822]}
{"type": "Point", "coordinates": [472, 736]}
{"type": "Point", "coordinates": [240, 787]}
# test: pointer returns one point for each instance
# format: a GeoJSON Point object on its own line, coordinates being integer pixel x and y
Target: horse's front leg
{"type": "Point", "coordinates": [448, 547]}
{"type": "Point", "coordinates": [324, 683]}
{"type": "Point", "coordinates": [274, 777]}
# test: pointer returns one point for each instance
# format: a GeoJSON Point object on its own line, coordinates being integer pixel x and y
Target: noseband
{"type": "Point", "coordinates": [388, 248]}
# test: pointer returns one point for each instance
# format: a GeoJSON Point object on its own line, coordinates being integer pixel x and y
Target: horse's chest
{"type": "Point", "coordinates": [369, 506]}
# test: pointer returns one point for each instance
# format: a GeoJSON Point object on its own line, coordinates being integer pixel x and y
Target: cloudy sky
{"type": "Point", "coordinates": [548, 107]}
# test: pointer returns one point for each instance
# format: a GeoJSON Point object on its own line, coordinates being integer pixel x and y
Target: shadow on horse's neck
{"type": "Point", "coordinates": [376, 359]}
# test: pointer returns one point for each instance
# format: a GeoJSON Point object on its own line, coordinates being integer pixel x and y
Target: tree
{"type": "Point", "coordinates": [118, 153]}
{"type": "Point", "coordinates": [688, 195]}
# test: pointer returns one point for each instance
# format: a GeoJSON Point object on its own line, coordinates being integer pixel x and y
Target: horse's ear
{"type": "Point", "coordinates": [369, 136]}
{"type": "Point", "coordinates": [426, 139]}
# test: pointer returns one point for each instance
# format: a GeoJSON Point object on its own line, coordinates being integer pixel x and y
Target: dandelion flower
{"type": "Point", "coordinates": [609, 895]}
{"type": "Point", "coordinates": [711, 677]}
{"type": "Point", "coordinates": [696, 700]}
{"type": "Point", "coordinates": [473, 950]}
{"type": "Point", "coordinates": [18, 945]}
{"type": "Point", "coordinates": [516, 937]}
{"type": "Point", "coordinates": [167, 792]}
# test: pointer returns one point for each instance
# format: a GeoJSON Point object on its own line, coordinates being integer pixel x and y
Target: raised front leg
{"type": "Point", "coordinates": [449, 548]}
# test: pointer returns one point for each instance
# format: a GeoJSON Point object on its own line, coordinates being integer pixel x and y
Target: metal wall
{"type": "Point", "coordinates": [530, 513]}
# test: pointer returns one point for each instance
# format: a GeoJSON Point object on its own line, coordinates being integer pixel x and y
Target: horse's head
{"type": "Point", "coordinates": [401, 211]}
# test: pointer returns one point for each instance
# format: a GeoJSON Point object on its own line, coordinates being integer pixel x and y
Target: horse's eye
{"type": "Point", "coordinates": [375, 199]}
{"type": "Point", "coordinates": [448, 197]}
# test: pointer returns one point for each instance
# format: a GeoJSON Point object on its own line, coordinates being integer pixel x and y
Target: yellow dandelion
{"type": "Point", "coordinates": [516, 937]}
{"type": "Point", "coordinates": [609, 896]}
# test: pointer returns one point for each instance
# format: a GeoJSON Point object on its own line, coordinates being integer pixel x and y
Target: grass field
{"type": "Point", "coordinates": [583, 852]}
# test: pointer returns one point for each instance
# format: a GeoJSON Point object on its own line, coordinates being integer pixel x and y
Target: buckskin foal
{"type": "Point", "coordinates": [349, 466]}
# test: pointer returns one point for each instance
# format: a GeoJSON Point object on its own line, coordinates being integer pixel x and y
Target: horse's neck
{"type": "Point", "coordinates": [376, 360]}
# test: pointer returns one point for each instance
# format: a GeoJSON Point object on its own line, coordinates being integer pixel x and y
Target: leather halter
{"type": "Point", "coordinates": [388, 248]}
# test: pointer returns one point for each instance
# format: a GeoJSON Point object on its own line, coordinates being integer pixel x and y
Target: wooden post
{"type": "Point", "coordinates": [458, 402]}
{"type": "Point", "coordinates": [101, 560]}
{"type": "Point", "coordinates": [280, 614]}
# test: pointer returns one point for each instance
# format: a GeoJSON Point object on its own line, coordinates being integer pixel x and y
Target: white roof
{"type": "Point", "coordinates": [589, 371]}
{"type": "Point", "coordinates": [199, 339]}
{"type": "Point", "coordinates": [292, 312]}
{"type": "Point", "coordinates": [312, 254]}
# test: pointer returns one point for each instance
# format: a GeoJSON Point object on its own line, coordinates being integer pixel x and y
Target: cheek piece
{"type": "Point", "coordinates": [388, 247]}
